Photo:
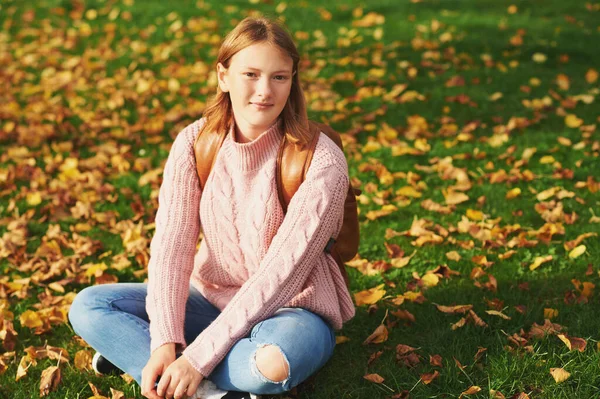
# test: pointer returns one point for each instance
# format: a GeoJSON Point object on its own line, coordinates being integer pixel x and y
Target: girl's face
{"type": "Point", "coordinates": [259, 80]}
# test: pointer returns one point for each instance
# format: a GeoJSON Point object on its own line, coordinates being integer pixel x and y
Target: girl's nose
{"type": "Point", "coordinates": [264, 88]}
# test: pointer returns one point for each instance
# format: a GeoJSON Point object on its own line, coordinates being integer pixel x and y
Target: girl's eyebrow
{"type": "Point", "coordinates": [256, 69]}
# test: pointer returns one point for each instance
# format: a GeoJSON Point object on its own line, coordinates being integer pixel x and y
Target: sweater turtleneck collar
{"type": "Point", "coordinates": [250, 156]}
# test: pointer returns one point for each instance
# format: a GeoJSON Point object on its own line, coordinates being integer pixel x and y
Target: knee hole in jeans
{"type": "Point", "coordinates": [272, 363]}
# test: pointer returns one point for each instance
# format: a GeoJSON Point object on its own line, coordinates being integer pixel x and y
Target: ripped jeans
{"type": "Point", "coordinates": [112, 319]}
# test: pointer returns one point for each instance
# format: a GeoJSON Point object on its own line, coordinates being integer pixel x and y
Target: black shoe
{"type": "Point", "coordinates": [102, 365]}
{"type": "Point", "coordinates": [237, 395]}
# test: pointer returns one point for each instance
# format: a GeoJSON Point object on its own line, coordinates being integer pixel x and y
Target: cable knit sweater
{"type": "Point", "coordinates": [253, 259]}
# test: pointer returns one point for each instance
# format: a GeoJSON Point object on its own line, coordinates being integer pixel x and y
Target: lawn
{"type": "Point", "coordinates": [470, 127]}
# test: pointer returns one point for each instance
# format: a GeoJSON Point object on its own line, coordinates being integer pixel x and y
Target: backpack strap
{"type": "Point", "coordinates": [292, 165]}
{"type": "Point", "coordinates": [206, 147]}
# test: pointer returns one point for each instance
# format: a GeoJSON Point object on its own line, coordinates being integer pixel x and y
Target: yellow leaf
{"type": "Point", "coordinates": [565, 141]}
{"type": "Point", "coordinates": [409, 191]}
{"type": "Point", "coordinates": [371, 146]}
{"type": "Point", "coordinates": [544, 195]}
{"type": "Point", "coordinates": [577, 251]}
{"type": "Point", "coordinates": [547, 159]}
{"type": "Point", "coordinates": [453, 197]}
{"type": "Point", "coordinates": [401, 262]}
{"type": "Point", "coordinates": [550, 313]}
{"type": "Point", "coordinates": [499, 314]}
{"type": "Point", "coordinates": [559, 374]}
{"type": "Point", "coordinates": [453, 255]}
{"type": "Point", "coordinates": [513, 193]}
{"type": "Point", "coordinates": [340, 339]}
{"type": "Point", "coordinates": [591, 76]}
{"type": "Point", "coordinates": [573, 121]}
{"type": "Point", "coordinates": [430, 279]}
{"type": "Point", "coordinates": [474, 214]}
{"type": "Point", "coordinates": [370, 296]}
{"type": "Point", "coordinates": [34, 199]}
{"type": "Point", "coordinates": [30, 319]}
{"type": "Point", "coordinates": [496, 96]}
{"type": "Point", "coordinates": [539, 260]}
{"type": "Point", "coordinates": [539, 58]}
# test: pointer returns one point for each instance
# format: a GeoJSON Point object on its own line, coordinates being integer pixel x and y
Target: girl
{"type": "Point", "coordinates": [255, 308]}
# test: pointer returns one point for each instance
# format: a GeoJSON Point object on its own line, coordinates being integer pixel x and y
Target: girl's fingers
{"type": "Point", "coordinates": [163, 385]}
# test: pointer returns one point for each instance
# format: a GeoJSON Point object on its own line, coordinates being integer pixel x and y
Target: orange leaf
{"type": "Point", "coordinates": [471, 391]}
{"type": "Point", "coordinates": [370, 296]}
{"type": "Point", "coordinates": [429, 377]}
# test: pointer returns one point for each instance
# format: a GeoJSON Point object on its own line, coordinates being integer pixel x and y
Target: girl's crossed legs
{"type": "Point", "coordinates": [112, 319]}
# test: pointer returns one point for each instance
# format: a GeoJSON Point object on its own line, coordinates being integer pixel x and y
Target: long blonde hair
{"type": "Point", "coordinates": [252, 30]}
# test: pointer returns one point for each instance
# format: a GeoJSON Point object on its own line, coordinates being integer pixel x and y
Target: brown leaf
{"type": "Point", "coordinates": [454, 309]}
{"type": "Point", "coordinates": [429, 377]}
{"type": "Point", "coordinates": [374, 357]}
{"type": "Point", "coordinates": [480, 352]}
{"type": "Point", "coordinates": [548, 328]}
{"type": "Point", "coordinates": [404, 315]}
{"type": "Point", "coordinates": [379, 335]}
{"type": "Point", "coordinates": [435, 360]}
{"type": "Point", "coordinates": [376, 378]}
{"type": "Point", "coordinates": [50, 379]}
{"type": "Point", "coordinates": [573, 343]}
{"type": "Point", "coordinates": [499, 314]}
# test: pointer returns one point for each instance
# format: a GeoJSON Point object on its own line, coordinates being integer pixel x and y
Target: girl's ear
{"type": "Point", "coordinates": [222, 77]}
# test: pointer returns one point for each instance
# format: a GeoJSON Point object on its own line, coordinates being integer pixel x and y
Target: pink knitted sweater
{"type": "Point", "coordinates": [252, 260]}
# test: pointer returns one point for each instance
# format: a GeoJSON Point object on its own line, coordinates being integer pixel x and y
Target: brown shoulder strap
{"type": "Point", "coordinates": [292, 165]}
{"type": "Point", "coordinates": [206, 147]}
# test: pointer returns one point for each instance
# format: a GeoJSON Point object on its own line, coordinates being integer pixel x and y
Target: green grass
{"type": "Point", "coordinates": [480, 31]}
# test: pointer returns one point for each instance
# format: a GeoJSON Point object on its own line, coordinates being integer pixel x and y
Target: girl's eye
{"type": "Point", "coordinates": [250, 74]}
{"type": "Point", "coordinates": [280, 77]}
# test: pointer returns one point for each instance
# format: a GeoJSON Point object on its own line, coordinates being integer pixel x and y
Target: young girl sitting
{"type": "Point", "coordinates": [255, 307]}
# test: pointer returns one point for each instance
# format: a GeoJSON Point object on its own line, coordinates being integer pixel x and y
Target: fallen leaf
{"type": "Point", "coordinates": [49, 381]}
{"type": "Point", "coordinates": [370, 296]}
{"type": "Point", "coordinates": [471, 391]}
{"type": "Point", "coordinates": [573, 343]}
{"type": "Point", "coordinates": [499, 314]}
{"type": "Point", "coordinates": [577, 251]}
{"type": "Point", "coordinates": [550, 313]}
{"type": "Point", "coordinates": [429, 377]}
{"type": "Point", "coordinates": [340, 339]}
{"type": "Point", "coordinates": [379, 335]}
{"type": "Point", "coordinates": [559, 374]}
{"type": "Point", "coordinates": [539, 260]}
{"type": "Point", "coordinates": [376, 378]}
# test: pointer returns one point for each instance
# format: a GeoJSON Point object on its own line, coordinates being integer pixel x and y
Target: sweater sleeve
{"type": "Point", "coordinates": [315, 214]}
{"type": "Point", "coordinates": [173, 245]}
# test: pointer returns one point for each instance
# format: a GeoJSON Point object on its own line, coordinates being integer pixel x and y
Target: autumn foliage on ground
{"type": "Point", "coordinates": [470, 127]}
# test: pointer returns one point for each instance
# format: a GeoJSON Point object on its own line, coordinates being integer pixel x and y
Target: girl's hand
{"type": "Point", "coordinates": [157, 364]}
{"type": "Point", "coordinates": [180, 379]}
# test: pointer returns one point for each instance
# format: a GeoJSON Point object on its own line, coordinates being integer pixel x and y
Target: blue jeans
{"type": "Point", "coordinates": [112, 319]}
